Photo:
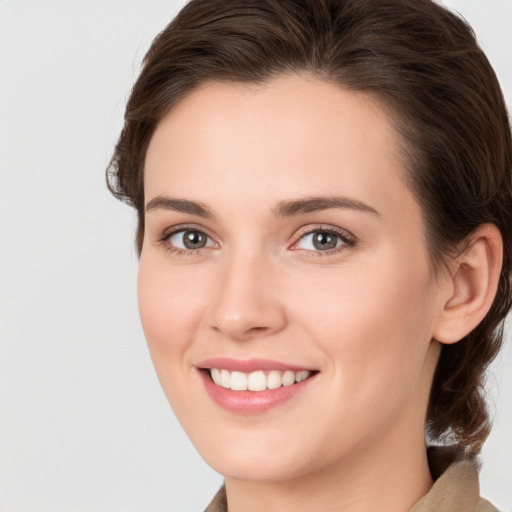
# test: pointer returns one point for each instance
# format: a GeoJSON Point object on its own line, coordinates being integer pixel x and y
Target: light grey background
{"type": "Point", "coordinates": [84, 425]}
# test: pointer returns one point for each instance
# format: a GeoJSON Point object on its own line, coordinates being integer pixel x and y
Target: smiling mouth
{"type": "Point", "coordinates": [259, 380]}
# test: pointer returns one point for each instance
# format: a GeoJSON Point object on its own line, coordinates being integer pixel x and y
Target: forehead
{"type": "Point", "coordinates": [290, 136]}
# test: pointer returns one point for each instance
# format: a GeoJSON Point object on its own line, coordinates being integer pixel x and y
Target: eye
{"type": "Point", "coordinates": [188, 240]}
{"type": "Point", "coordinates": [323, 240]}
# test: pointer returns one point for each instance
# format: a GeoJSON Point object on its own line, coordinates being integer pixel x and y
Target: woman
{"type": "Point", "coordinates": [324, 200]}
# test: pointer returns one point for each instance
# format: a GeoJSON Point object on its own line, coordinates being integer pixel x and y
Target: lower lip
{"type": "Point", "coordinates": [250, 402]}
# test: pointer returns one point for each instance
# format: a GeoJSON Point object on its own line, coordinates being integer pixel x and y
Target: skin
{"type": "Point", "coordinates": [363, 315]}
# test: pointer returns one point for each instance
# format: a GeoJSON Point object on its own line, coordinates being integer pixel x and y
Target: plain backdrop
{"type": "Point", "coordinates": [84, 425]}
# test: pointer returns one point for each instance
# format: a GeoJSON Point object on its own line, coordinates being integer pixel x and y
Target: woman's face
{"type": "Point", "coordinates": [282, 244]}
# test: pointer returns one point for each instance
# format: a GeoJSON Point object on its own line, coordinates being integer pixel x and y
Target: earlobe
{"type": "Point", "coordinates": [473, 283]}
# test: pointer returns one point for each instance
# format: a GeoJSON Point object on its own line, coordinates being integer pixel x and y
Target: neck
{"type": "Point", "coordinates": [376, 478]}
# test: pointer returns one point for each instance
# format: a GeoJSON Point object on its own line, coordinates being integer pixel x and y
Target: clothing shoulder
{"type": "Point", "coordinates": [219, 502]}
{"type": "Point", "coordinates": [485, 506]}
{"type": "Point", "coordinates": [456, 487]}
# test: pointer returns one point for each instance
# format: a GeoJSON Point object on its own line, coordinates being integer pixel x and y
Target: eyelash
{"type": "Point", "coordinates": [347, 239]}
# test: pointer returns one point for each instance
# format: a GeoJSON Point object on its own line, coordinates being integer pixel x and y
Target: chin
{"type": "Point", "coordinates": [255, 462]}
{"type": "Point", "coordinates": [256, 471]}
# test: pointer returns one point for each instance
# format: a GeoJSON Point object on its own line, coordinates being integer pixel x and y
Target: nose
{"type": "Point", "coordinates": [247, 304]}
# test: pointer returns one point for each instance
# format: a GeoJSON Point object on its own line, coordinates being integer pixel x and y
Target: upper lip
{"type": "Point", "coordinates": [248, 365]}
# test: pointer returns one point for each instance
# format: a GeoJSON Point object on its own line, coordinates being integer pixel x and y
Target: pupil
{"type": "Point", "coordinates": [194, 239]}
{"type": "Point", "coordinates": [324, 241]}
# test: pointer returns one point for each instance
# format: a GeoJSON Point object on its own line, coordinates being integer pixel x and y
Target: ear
{"type": "Point", "coordinates": [471, 285]}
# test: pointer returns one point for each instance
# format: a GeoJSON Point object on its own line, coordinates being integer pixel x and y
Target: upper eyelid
{"type": "Point", "coordinates": [306, 230]}
{"type": "Point", "coordinates": [172, 230]}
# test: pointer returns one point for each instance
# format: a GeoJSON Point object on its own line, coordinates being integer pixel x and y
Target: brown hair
{"type": "Point", "coordinates": [425, 66]}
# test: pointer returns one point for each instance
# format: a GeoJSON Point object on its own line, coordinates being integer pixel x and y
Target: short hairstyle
{"type": "Point", "coordinates": [423, 64]}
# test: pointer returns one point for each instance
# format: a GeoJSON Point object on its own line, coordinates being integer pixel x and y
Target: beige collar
{"type": "Point", "coordinates": [456, 487]}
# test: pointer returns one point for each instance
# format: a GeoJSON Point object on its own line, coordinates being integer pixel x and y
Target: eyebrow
{"type": "Point", "coordinates": [179, 205]}
{"type": "Point", "coordinates": [288, 208]}
{"type": "Point", "coordinates": [315, 204]}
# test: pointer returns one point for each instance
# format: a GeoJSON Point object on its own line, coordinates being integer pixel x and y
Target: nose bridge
{"type": "Point", "coordinates": [246, 304]}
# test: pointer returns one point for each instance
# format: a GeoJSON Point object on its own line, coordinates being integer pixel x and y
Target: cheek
{"type": "Point", "coordinates": [169, 308]}
{"type": "Point", "coordinates": [375, 326]}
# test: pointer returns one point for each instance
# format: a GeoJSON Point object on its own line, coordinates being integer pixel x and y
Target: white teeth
{"type": "Point", "coordinates": [258, 380]}
{"type": "Point", "coordinates": [215, 373]}
{"type": "Point", "coordinates": [238, 381]}
{"type": "Point", "coordinates": [303, 375]}
{"type": "Point", "coordinates": [274, 380]}
{"type": "Point", "coordinates": [225, 379]}
{"type": "Point", "coordinates": [288, 378]}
